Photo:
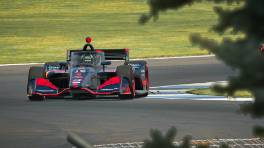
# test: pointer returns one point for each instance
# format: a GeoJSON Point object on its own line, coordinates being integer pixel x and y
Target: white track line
{"type": "Point", "coordinates": [22, 64]}
{"type": "Point", "coordinates": [191, 85]}
{"type": "Point", "coordinates": [161, 58]}
{"type": "Point", "coordinates": [181, 57]}
{"type": "Point", "coordinates": [179, 92]}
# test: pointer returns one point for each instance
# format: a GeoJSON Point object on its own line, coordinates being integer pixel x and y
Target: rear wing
{"type": "Point", "coordinates": [115, 54]}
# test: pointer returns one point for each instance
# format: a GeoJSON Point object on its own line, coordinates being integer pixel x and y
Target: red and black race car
{"type": "Point", "coordinates": [88, 73]}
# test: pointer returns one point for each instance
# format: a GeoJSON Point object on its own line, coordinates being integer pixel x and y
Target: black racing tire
{"type": "Point", "coordinates": [129, 96]}
{"type": "Point", "coordinates": [34, 72]}
{"type": "Point", "coordinates": [125, 97]}
{"type": "Point", "coordinates": [125, 71]}
{"type": "Point", "coordinates": [36, 98]}
{"type": "Point", "coordinates": [142, 95]}
{"type": "Point", "coordinates": [145, 95]}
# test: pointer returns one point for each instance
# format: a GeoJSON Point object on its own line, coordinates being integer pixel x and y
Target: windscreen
{"type": "Point", "coordinates": [85, 58]}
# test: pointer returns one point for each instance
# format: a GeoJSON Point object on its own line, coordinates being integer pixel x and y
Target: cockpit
{"type": "Point", "coordinates": [86, 58]}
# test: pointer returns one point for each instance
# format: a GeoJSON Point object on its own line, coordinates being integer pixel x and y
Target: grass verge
{"type": "Point", "coordinates": [38, 31]}
{"type": "Point", "coordinates": [211, 92]}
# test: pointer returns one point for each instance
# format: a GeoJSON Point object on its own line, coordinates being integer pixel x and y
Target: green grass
{"type": "Point", "coordinates": [38, 31]}
{"type": "Point", "coordinates": [210, 91]}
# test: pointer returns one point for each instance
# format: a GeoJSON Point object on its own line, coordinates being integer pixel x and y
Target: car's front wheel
{"type": "Point", "coordinates": [132, 88]}
{"type": "Point", "coordinates": [34, 72]}
{"type": "Point", "coordinates": [36, 98]}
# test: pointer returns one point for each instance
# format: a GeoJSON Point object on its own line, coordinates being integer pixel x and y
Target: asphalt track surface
{"type": "Point", "coordinates": [45, 124]}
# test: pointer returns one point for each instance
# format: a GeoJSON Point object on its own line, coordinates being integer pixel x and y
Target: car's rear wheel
{"type": "Point", "coordinates": [34, 72]}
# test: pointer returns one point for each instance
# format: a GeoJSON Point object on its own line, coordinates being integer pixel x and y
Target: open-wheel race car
{"type": "Point", "coordinates": [88, 73]}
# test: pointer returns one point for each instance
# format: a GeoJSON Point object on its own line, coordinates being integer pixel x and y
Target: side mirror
{"type": "Point", "coordinates": [106, 63]}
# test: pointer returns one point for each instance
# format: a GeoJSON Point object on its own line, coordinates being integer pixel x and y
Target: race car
{"type": "Point", "coordinates": [89, 73]}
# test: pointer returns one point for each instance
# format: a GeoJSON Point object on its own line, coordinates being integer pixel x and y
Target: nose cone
{"type": "Point", "coordinates": [83, 77]}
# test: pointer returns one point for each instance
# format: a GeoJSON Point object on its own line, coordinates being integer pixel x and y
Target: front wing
{"type": "Point", "coordinates": [113, 86]}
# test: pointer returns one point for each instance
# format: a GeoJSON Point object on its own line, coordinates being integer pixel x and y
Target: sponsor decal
{"type": "Point", "coordinates": [51, 67]}
{"type": "Point", "coordinates": [40, 90]}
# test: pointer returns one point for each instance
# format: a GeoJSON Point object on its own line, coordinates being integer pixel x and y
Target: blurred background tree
{"type": "Point", "coordinates": [243, 54]}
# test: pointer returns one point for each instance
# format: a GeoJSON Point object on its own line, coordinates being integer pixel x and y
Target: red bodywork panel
{"type": "Point", "coordinates": [45, 82]}
{"type": "Point", "coordinates": [111, 81]}
{"type": "Point", "coordinates": [127, 90]}
{"type": "Point", "coordinates": [84, 89]}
